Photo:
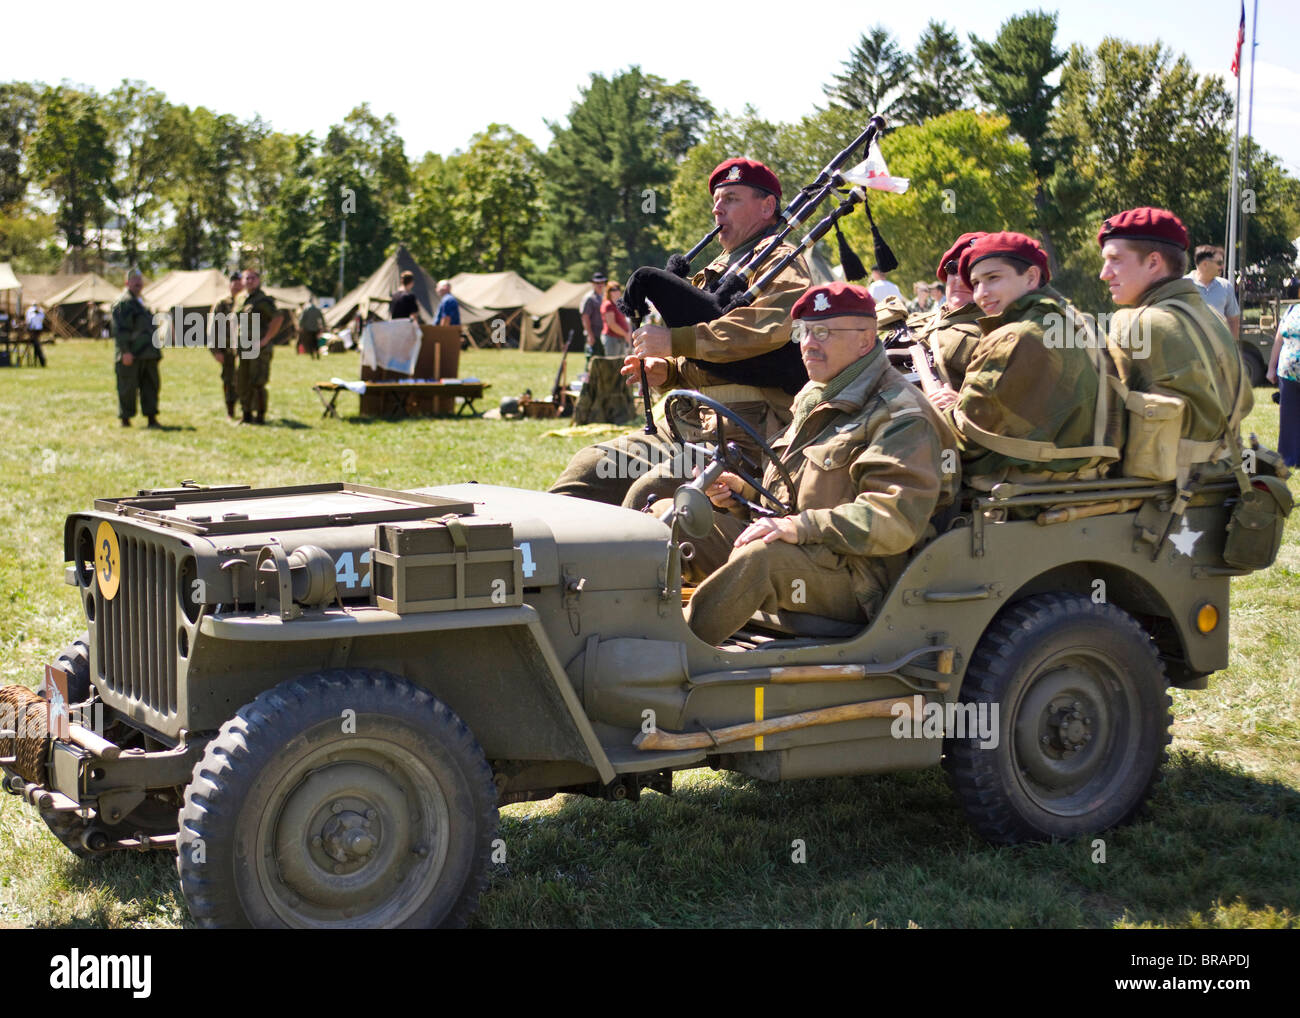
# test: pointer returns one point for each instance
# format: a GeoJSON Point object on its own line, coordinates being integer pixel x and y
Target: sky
{"type": "Point", "coordinates": [446, 71]}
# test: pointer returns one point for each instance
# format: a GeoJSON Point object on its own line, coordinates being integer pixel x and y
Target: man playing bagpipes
{"type": "Point", "coordinates": [742, 357]}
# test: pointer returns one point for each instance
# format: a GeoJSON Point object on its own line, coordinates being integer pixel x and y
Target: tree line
{"type": "Point", "coordinates": [1009, 132]}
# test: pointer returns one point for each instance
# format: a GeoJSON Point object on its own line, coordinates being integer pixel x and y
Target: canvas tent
{"type": "Point", "coordinates": [555, 317]}
{"type": "Point", "coordinates": [39, 287]}
{"type": "Point", "coordinates": [371, 296]}
{"type": "Point", "coordinates": [295, 298]}
{"type": "Point", "coordinates": [191, 289]}
{"type": "Point", "coordinates": [502, 295]}
{"type": "Point", "coordinates": [72, 310]}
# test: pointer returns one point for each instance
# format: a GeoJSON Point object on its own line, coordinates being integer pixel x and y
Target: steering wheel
{"type": "Point", "coordinates": [735, 463]}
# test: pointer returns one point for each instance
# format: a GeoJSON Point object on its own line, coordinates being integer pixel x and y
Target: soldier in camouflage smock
{"type": "Point", "coordinates": [951, 330]}
{"type": "Point", "coordinates": [1033, 404]}
{"type": "Point", "coordinates": [223, 341]}
{"type": "Point", "coordinates": [136, 354]}
{"type": "Point", "coordinates": [866, 454]}
{"type": "Point", "coordinates": [1167, 340]}
{"type": "Point", "coordinates": [253, 373]}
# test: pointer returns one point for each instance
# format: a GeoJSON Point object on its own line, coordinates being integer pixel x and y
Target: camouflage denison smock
{"type": "Point", "coordinates": [1033, 378]}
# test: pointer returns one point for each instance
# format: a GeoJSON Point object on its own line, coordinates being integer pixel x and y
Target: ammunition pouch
{"type": "Point", "coordinates": [1255, 527]}
{"type": "Point", "coordinates": [1155, 423]}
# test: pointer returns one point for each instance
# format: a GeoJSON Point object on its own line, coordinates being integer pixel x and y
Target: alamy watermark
{"type": "Point", "coordinates": [916, 719]}
{"type": "Point", "coordinates": [236, 331]}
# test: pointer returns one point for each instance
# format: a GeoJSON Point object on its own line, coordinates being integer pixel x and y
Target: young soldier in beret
{"type": "Point", "coordinates": [633, 469]}
{"type": "Point", "coordinates": [952, 331]}
{"type": "Point", "coordinates": [1032, 405]}
{"type": "Point", "coordinates": [866, 454]}
{"type": "Point", "coordinates": [1168, 341]}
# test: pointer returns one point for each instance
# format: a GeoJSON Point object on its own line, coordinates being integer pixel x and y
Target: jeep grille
{"type": "Point", "coordinates": [135, 633]}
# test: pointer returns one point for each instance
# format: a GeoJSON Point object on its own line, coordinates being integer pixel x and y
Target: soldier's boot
{"type": "Point", "coordinates": [230, 409]}
{"type": "Point", "coordinates": [261, 406]}
{"type": "Point", "coordinates": [153, 421]}
{"type": "Point", "coordinates": [126, 422]}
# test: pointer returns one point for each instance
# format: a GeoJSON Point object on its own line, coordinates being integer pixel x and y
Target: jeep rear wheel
{"type": "Point", "coordinates": [349, 798]}
{"type": "Point", "coordinates": [1082, 728]}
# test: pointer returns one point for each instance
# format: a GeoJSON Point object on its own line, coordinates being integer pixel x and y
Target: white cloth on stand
{"type": "Point", "coordinates": [393, 346]}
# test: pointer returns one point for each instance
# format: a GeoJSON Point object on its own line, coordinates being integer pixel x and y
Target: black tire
{"type": "Point", "coordinates": [1082, 728]}
{"type": "Point", "coordinates": [293, 819]}
{"type": "Point", "coordinates": [75, 660]}
{"type": "Point", "coordinates": [1255, 366]}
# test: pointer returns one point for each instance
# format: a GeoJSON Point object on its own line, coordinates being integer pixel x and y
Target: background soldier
{"type": "Point", "coordinates": [865, 452]}
{"type": "Point", "coordinates": [136, 355]}
{"type": "Point", "coordinates": [223, 341]}
{"type": "Point", "coordinates": [633, 469]}
{"type": "Point", "coordinates": [255, 371]}
{"type": "Point", "coordinates": [951, 331]}
{"type": "Point", "coordinates": [311, 323]}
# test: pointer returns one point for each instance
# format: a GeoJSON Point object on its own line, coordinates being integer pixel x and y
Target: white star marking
{"type": "Point", "coordinates": [1185, 540]}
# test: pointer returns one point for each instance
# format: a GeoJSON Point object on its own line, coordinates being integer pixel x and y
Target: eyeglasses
{"type": "Point", "coordinates": [821, 333]}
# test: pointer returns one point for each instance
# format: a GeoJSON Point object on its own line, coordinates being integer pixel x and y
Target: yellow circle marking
{"type": "Point", "coordinates": [108, 561]}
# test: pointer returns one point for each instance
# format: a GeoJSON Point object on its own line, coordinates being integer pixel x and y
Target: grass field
{"type": "Point", "coordinates": [1219, 848]}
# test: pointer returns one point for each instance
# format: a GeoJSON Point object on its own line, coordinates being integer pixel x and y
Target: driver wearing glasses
{"type": "Point", "coordinates": [870, 461]}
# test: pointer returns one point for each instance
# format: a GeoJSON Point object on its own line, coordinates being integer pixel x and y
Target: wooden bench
{"type": "Point", "coordinates": [399, 397]}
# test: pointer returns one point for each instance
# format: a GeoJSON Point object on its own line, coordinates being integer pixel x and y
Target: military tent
{"type": "Point", "coordinates": [502, 295]}
{"type": "Point", "coordinates": [371, 296]}
{"type": "Point", "coordinates": [39, 287]}
{"type": "Point", "coordinates": [295, 298]}
{"type": "Point", "coordinates": [554, 318]}
{"type": "Point", "coordinates": [80, 309]}
{"type": "Point", "coordinates": [191, 289]}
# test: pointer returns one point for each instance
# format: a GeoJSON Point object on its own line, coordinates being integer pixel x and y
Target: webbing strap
{"type": "Point", "coordinates": [1027, 449]}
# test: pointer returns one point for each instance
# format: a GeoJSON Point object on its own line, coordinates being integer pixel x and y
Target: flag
{"type": "Point", "coordinates": [1241, 39]}
{"type": "Point", "coordinates": [873, 173]}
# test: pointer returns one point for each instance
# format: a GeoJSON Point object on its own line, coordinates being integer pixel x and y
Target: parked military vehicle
{"type": "Point", "coordinates": [1259, 322]}
{"type": "Point", "coordinates": [319, 696]}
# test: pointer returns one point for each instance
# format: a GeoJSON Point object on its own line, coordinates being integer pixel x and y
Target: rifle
{"type": "Point", "coordinates": [557, 390]}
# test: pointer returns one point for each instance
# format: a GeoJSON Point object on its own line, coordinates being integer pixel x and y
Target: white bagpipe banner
{"type": "Point", "coordinates": [873, 173]}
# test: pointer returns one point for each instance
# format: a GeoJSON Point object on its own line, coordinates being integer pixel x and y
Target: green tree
{"type": "Point", "coordinates": [497, 204]}
{"type": "Point", "coordinates": [875, 78]}
{"type": "Point", "coordinates": [19, 112]}
{"type": "Point", "coordinates": [201, 192]}
{"type": "Point", "coordinates": [141, 133]}
{"type": "Point", "coordinates": [968, 172]}
{"type": "Point", "coordinates": [71, 161]}
{"type": "Point", "coordinates": [607, 175]}
{"type": "Point", "coordinates": [941, 79]}
{"type": "Point", "coordinates": [1012, 80]}
{"type": "Point", "coordinates": [428, 225]}
{"type": "Point", "coordinates": [1149, 131]}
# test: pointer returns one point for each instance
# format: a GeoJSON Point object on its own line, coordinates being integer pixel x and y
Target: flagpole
{"type": "Point", "coordinates": [1250, 137]}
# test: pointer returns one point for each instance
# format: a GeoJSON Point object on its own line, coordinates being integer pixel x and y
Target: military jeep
{"type": "Point", "coordinates": [319, 696]}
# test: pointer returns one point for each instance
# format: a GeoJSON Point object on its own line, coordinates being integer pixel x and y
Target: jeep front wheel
{"type": "Point", "coordinates": [1083, 721]}
{"type": "Point", "coordinates": [350, 798]}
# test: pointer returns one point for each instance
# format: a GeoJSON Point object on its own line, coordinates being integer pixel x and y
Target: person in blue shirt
{"type": "Point", "coordinates": [448, 312]}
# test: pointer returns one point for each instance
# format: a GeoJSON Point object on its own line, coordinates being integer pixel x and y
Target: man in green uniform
{"type": "Point", "coordinates": [136, 354]}
{"type": "Point", "coordinates": [1032, 405]}
{"type": "Point", "coordinates": [635, 468]}
{"type": "Point", "coordinates": [1167, 340]}
{"type": "Point", "coordinates": [254, 369]}
{"type": "Point", "coordinates": [311, 323]}
{"type": "Point", "coordinates": [223, 341]}
{"type": "Point", "coordinates": [866, 453]}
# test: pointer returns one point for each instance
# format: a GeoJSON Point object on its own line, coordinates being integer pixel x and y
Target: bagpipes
{"type": "Point", "coordinates": [680, 303]}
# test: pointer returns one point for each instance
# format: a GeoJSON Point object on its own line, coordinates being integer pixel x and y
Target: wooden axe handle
{"type": "Point", "coordinates": [657, 739]}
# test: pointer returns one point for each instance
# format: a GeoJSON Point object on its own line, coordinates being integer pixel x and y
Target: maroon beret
{"type": "Point", "coordinates": [745, 171]}
{"type": "Point", "coordinates": [954, 252]}
{"type": "Point", "coordinates": [831, 300]}
{"type": "Point", "coordinates": [1004, 245]}
{"type": "Point", "coordinates": [1145, 223]}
